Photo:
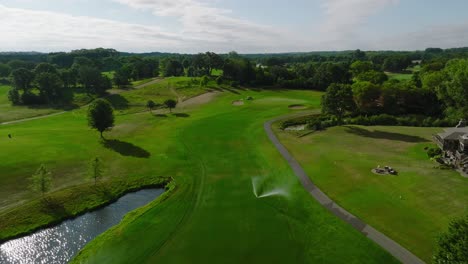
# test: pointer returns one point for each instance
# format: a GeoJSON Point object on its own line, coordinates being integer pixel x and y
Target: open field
{"type": "Point", "coordinates": [412, 208]}
{"type": "Point", "coordinates": [215, 152]}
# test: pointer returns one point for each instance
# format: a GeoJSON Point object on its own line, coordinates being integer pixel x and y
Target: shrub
{"type": "Point", "coordinates": [31, 99]}
{"type": "Point", "coordinates": [434, 152]}
{"type": "Point", "coordinates": [219, 80]}
{"type": "Point", "coordinates": [14, 96]}
{"type": "Point", "coordinates": [383, 120]}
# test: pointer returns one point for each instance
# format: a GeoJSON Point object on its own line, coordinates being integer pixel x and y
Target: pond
{"type": "Point", "coordinates": [60, 243]}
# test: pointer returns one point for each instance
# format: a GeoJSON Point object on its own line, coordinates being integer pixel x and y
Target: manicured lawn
{"type": "Point", "coordinates": [413, 208]}
{"type": "Point", "coordinates": [213, 152]}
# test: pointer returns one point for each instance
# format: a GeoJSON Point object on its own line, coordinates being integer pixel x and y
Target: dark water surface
{"type": "Point", "coordinates": [60, 243]}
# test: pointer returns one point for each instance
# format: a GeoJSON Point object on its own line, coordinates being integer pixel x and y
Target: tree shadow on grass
{"type": "Point", "coordinates": [53, 207]}
{"type": "Point", "coordinates": [160, 115]}
{"type": "Point", "coordinates": [181, 115]}
{"type": "Point", "coordinates": [231, 90]}
{"type": "Point", "coordinates": [377, 134]}
{"type": "Point", "coordinates": [125, 148]}
{"type": "Point", "coordinates": [118, 101]}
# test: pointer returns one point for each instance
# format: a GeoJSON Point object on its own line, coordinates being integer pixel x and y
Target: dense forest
{"type": "Point", "coordinates": [356, 82]}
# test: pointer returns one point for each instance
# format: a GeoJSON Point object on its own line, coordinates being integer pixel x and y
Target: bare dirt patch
{"type": "Point", "coordinates": [198, 100]}
{"type": "Point", "coordinates": [238, 102]}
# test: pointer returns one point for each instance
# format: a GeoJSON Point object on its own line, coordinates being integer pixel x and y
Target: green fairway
{"type": "Point", "coordinates": [214, 152]}
{"type": "Point", "coordinates": [412, 208]}
{"type": "Point", "coordinates": [399, 76]}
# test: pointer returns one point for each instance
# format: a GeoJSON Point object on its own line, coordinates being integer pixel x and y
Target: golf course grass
{"type": "Point", "coordinates": [215, 152]}
{"type": "Point", "coordinates": [412, 208]}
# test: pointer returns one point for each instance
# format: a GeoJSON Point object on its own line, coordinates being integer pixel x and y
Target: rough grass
{"type": "Point", "coordinates": [413, 208]}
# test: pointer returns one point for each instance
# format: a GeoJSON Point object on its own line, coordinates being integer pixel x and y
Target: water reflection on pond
{"type": "Point", "coordinates": [60, 243]}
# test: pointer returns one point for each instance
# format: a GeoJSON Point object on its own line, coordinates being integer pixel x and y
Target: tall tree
{"type": "Point", "coordinates": [45, 68]}
{"type": "Point", "coordinates": [150, 104]}
{"type": "Point", "coordinates": [101, 116]}
{"type": "Point", "coordinates": [5, 70]}
{"type": "Point", "coordinates": [338, 100]}
{"type": "Point", "coordinates": [41, 181]}
{"type": "Point", "coordinates": [453, 245]}
{"type": "Point", "coordinates": [170, 103]}
{"type": "Point", "coordinates": [95, 170]}
{"type": "Point", "coordinates": [22, 79]}
{"type": "Point", "coordinates": [366, 96]}
{"type": "Point", "coordinates": [50, 87]}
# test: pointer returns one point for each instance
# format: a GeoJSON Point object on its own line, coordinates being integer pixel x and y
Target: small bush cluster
{"type": "Point", "coordinates": [389, 120]}
{"type": "Point", "coordinates": [319, 122]}
{"type": "Point", "coordinates": [434, 152]}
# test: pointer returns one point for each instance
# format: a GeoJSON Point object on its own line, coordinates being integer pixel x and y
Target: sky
{"type": "Point", "coordinates": [245, 26]}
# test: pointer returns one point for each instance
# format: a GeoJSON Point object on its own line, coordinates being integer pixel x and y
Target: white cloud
{"type": "Point", "coordinates": [441, 36]}
{"type": "Point", "coordinates": [345, 18]}
{"type": "Point", "coordinates": [211, 23]}
{"type": "Point", "coordinates": [39, 30]}
{"type": "Point", "coordinates": [203, 28]}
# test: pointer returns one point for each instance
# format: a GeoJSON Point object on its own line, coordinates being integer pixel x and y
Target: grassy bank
{"type": "Point", "coordinates": [412, 208]}
{"type": "Point", "coordinates": [68, 203]}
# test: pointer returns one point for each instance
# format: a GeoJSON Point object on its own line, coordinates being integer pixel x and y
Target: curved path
{"type": "Point", "coordinates": [388, 244]}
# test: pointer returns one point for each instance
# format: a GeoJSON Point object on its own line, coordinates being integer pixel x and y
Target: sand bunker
{"type": "Point", "coordinates": [297, 106]}
{"type": "Point", "coordinates": [238, 102]}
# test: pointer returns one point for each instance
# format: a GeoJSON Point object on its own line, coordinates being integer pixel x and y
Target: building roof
{"type": "Point", "coordinates": [454, 133]}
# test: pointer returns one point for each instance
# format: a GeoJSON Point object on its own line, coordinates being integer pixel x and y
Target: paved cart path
{"type": "Point", "coordinates": [385, 242]}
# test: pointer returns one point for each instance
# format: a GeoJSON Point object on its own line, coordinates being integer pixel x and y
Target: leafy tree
{"type": "Point", "coordinates": [374, 77]}
{"type": "Point", "coordinates": [93, 81]}
{"type": "Point", "coordinates": [328, 73]}
{"type": "Point", "coordinates": [338, 100]}
{"type": "Point", "coordinates": [22, 79]}
{"type": "Point", "coordinates": [170, 103]}
{"type": "Point", "coordinates": [69, 77]}
{"type": "Point", "coordinates": [150, 104]}
{"type": "Point", "coordinates": [50, 86]}
{"type": "Point", "coordinates": [14, 96]}
{"type": "Point", "coordinates": [122, 76]}
{"type": "Point", "coordinates": [101, 116]}
{"type": "Point", "coordinates": [5, 70]}
{"type": "Point", "coordinates": [41, 181]}
{"type": "Point", "coordinates": [95, 170]}
{"type": "Point", "coordinates": [453, 245]}
{"type": "Point", "coordinates": [359, 67]}
{"type": "Point", "coordinates": [204, 81]}
{"type": "Point", "coordinates": [45, 68]}
{"type": "Point", "coordinates": [397, 63]}
{"type": "Point", "coordinates": [455, 90]}
{"type": "Point", "coordinates": [173, 68]}
{"type": "Point", "coordinates": [18, 64]}
{"type": "Point", "coordinates": [366, 96]}
{"type": "Point", "coordinates": [219, 80]}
